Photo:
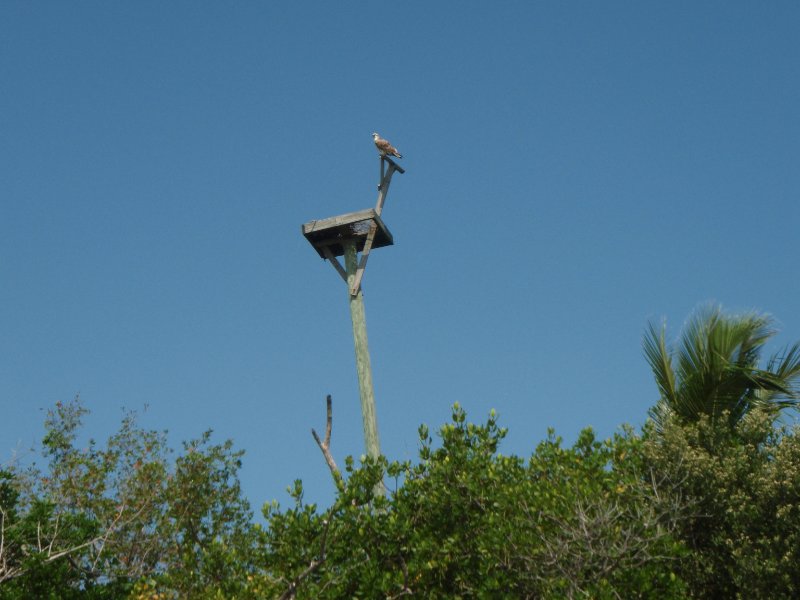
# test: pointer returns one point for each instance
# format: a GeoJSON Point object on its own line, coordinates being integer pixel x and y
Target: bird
{"type": "Point", "coordinates": [384, 147]}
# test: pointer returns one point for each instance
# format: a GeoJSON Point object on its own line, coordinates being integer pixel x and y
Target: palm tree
{"type": "Point", "coordinates": [716, 369]}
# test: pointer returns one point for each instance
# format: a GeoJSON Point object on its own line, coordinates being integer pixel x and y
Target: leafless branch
{"type": "Point", "coordinates": [2, 531]}
{"type": "Point", "coordinates": [601, 535]}
{"type": "Point", "coordinates": [104, 539]}
{"type": "Point", "coordinates": [5, 571]}
{"type": "Point", "coordinates": [325, 446]}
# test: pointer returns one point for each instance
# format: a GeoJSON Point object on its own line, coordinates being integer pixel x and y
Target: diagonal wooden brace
{"type": "Point", "coordinates": [335, 262]}
{"type": "Point", "coordinates": [386, 179]}
{"type": "Point", "coordinates": [364, 256]}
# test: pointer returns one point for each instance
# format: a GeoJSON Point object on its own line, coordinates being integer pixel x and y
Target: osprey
{"type": "Point", "coordinates": [384, 147]}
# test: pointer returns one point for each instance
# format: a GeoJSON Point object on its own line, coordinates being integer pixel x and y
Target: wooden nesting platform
{"type": "Point", "coordinates": [330, 233]}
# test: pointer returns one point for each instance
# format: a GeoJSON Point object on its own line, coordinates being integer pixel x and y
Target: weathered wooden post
{"type": "Point", "coordinates": [347, 235]}
{"type": "Point", "coordinates": [363, 366]}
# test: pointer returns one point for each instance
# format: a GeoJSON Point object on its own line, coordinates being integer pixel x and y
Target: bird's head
{"type": "Point", "coordinates": [375, 136]}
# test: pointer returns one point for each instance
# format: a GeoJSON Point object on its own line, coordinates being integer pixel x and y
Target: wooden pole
{"type": "Point", "coordinates": [362, 354]}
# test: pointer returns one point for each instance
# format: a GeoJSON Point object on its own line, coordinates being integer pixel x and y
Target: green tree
{"type": "Point", "coordinates": [206, 525]}
{"type": "Point", "coordinates": [468, 522]}
{"type": "Point", "coordinates": [736, 473]}
{"type": "Point", "coordinates": [74, 523]}
{"type": "Point", "coordinates": [714, 369]}
{"type": "Point", "coordinates": [103, 521]}
{"type": "Point", "coordinates": [740, 496]}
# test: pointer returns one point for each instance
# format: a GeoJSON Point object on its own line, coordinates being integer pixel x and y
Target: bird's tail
{"type": "Point", "coordinates": [397, 154]}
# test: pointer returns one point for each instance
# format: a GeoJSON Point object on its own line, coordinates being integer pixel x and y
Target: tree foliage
{"type": "Point", "coordinates": [704, 502]}
{"type": "Point", "coordinates": [740, 499]}
{"type": "Point", "coordinates": [714, 369]}
{"type": "Point", "coordinates": [715, 430]}
{"type": "Point", "coordinates": [99, 519]}
{"type": "Point", "coordinates": [467, 521]}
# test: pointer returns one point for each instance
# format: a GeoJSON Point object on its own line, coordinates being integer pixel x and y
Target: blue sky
{"type": "Point", "coordinates": [574, 170]}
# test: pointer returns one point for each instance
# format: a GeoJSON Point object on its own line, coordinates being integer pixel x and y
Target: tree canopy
{"type": "Point", "coordinates": [701, 502]}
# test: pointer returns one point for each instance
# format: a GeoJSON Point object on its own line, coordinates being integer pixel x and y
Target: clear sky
{"type": "Point", "coordinates": [574, 170]}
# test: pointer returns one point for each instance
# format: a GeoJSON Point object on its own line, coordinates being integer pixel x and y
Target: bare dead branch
{"type": "Point", "coordinates": [103, 540]}
{"type": "Point", "coordinates": [5, 570]}
{"type": "Point", "coordinates": [2, 532]}
{"type": "Point", "coordinates": [325, 446]}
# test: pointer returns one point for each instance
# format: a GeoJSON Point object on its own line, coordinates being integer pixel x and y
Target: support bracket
{"type": "Point", "coordinates": [335, 262]}
{"type": "Point", "coordinates": [363, 262]}
{"type": "Point", "coordinates": [386, 179]}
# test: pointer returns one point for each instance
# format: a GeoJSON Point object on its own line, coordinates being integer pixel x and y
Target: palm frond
{"type": "Point", "coordinates": [717, 370]}
{"type": "Point", "coordinates": [693, 355]}
{"type": "Point", "coordinates": [786, 366]}
{"type": "Point", "coordinates": [660, 361]}
{"type": "Point", "coordinates": [748, 334]}
{"type": "Point", "coordinates": [660, 413]}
